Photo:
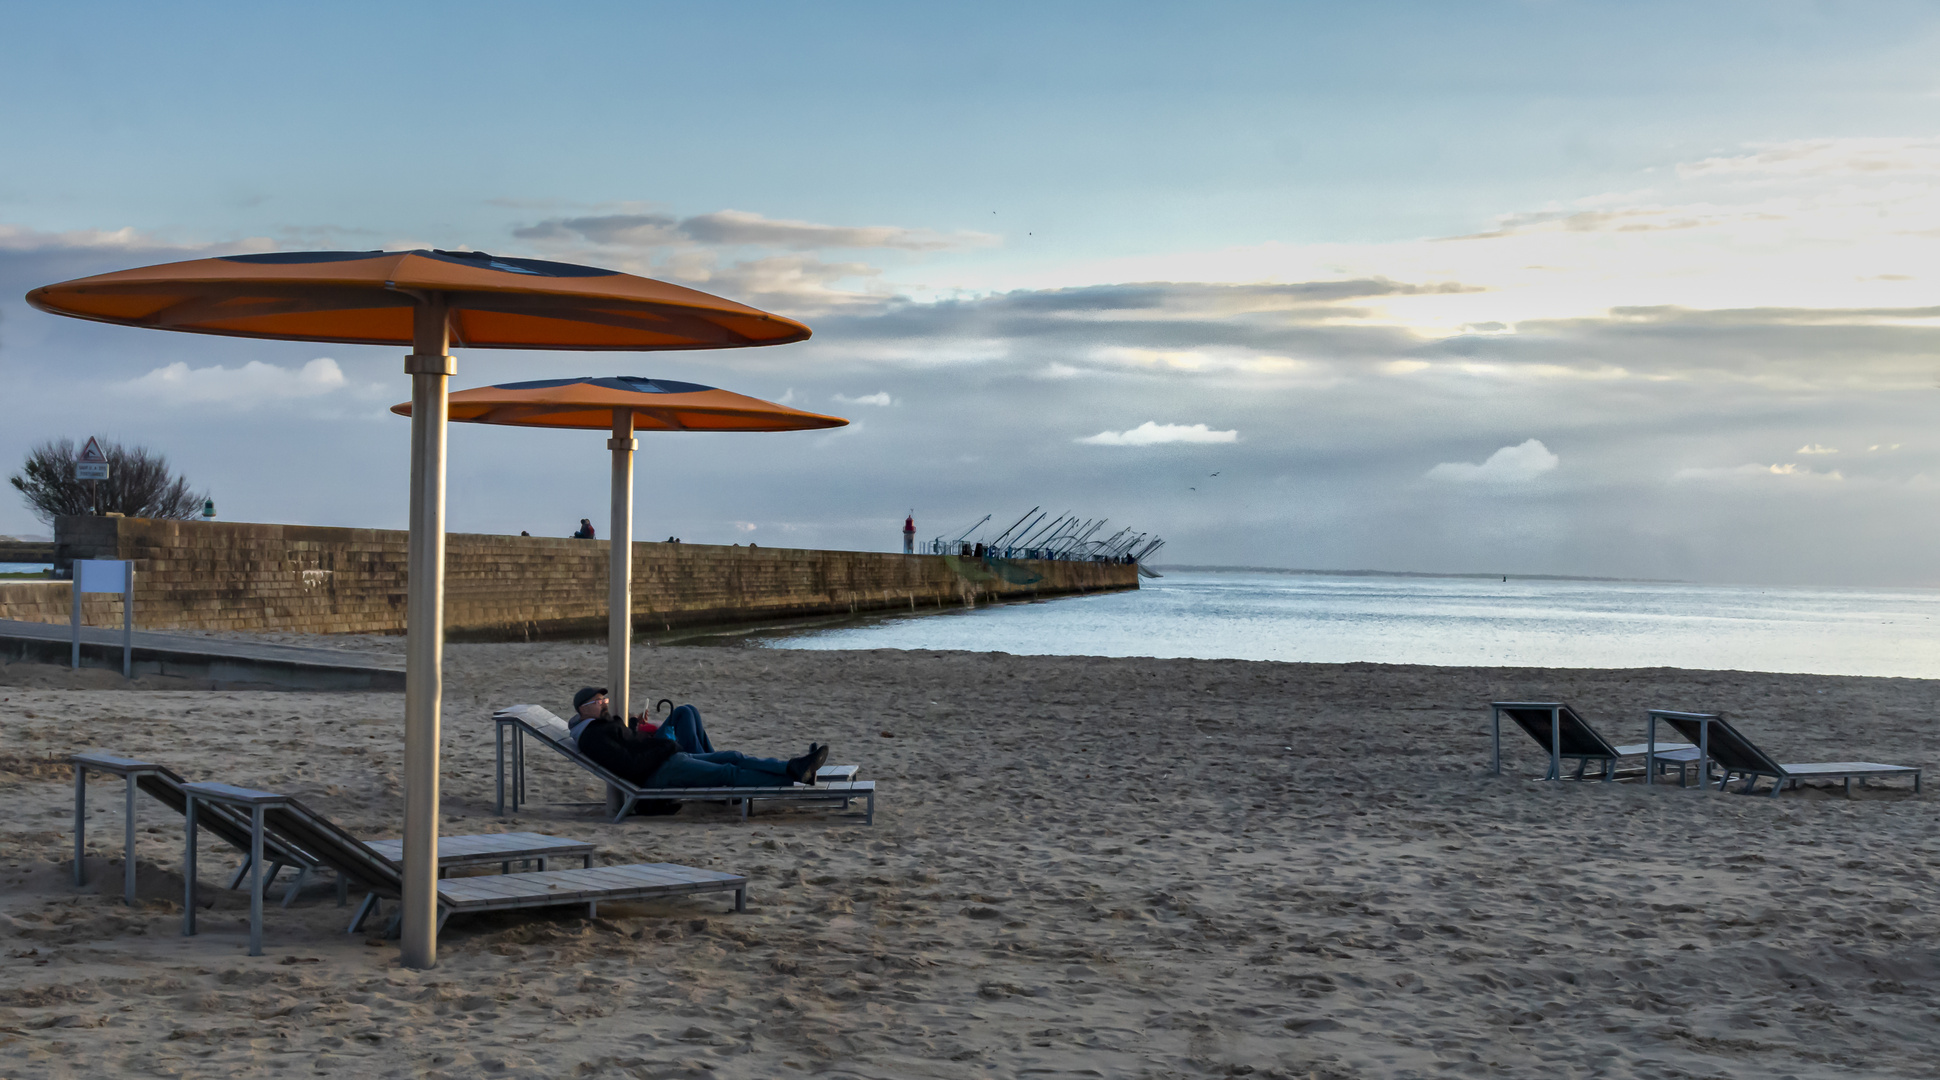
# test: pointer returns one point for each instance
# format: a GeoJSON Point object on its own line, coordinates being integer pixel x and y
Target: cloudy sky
{"type": "Point", "coordinates": [1628, 289]}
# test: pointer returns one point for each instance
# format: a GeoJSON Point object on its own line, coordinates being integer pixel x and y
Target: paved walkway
{"type": "Point", "coordinates": [294, 667]}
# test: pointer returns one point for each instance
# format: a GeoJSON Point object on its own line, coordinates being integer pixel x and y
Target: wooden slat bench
{"type": "Point", "coordinates": [356, 861]}
{"type": "Point", "coordinates": [484, 849]}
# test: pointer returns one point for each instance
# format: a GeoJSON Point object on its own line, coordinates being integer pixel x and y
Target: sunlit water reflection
{"type": "Point", "coordinates": [1448, 621]}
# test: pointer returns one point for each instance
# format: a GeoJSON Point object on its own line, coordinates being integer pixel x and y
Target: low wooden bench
{"type": "Point", "coordinates": [485, 849]}
{"type": "Point", "coordinates": [355, 861]}
{"type": "Point", "coordinates": [590, 886]}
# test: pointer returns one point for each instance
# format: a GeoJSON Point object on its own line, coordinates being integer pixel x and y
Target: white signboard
{"type": "Point", "coordinates": [105, 576]}
{"type": "Point", "coordinates": [101, 575]}
{"type": "Point", "coordinates": [93, 464]}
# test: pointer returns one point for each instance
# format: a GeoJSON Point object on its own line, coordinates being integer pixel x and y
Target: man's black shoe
{"type": "Point", "coordinates": [802, 769]}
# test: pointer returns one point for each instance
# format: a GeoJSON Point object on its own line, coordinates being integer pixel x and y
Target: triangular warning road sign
{"type": "Point", "coordinates": [91, 453]}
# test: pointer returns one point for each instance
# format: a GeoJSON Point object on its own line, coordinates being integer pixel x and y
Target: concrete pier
{"type": "Point", "coordinates": [309, 579]}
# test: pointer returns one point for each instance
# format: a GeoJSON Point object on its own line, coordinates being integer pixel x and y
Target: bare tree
{"type": "Point", "coordinates": [139, 484]}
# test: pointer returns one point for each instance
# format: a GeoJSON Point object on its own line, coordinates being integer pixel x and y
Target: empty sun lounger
{"type": "Point", "coordinates": [519, 721]}
{"type": "Point", "coordinates": [1562, 733]}
{"type": "Point", "coordinates": [234, 828]}
{"type": "Point", "coordinates": [1737, 756]}
{"type": "Point", "coordinates": [167, 788]}
{"type": "Point", "coordinates": [356, 861]}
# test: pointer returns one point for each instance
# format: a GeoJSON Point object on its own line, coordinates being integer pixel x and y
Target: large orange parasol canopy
{"type": "Point", "coordinates": [656, 405]}
{"type": "Point", "coordinates": [625, 404]}
{"type": "Point", "coordinates": [430, 301]}
{"type": "Point", "coordinates": [370, 297]}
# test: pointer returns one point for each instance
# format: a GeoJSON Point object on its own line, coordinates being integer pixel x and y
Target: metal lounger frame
{"type": "Point", "coordinates": [1737, 756]}
{"type": "Point", "coordinates": [629, 794]}
{"type": "Point", "coordinates": [354, 860]}
{"type": "Point", "coordinates": [166, 786]}
{"type": "Point", "coordinates": [1563, 731]}
{"type": "Point", "coordinates": [233, 827]}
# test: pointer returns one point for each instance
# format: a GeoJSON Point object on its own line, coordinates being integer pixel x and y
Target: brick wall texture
{"type": "Point", "coordinates": [235, 576]}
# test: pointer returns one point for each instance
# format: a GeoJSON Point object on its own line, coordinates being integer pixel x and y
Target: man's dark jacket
{"type": "Point", "coordinates": [625, 753]}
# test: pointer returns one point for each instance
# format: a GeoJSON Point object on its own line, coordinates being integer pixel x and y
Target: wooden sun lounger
{"type": "Point", "coordinates": [234, 828]}
{"type": "Point", "coordinates": [356, 861]}
{"type": "Point", "coordinates": [521, 720]}
{"type": "Point", "coordinates": [1558, 729]}
{"type": "Point", "coordinates": [1737, 756]}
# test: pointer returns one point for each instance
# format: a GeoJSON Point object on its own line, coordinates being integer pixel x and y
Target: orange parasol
{"type": "Point", "coordinates": [626, 404]}
{"type": "Point", "coordinates": [429, 300]}
{"type": "Point", "coordinates": [371, 298]}
{"type": "Point", "coordinates": [656, 405]}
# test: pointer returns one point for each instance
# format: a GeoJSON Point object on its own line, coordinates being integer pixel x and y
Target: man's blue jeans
{"type": "Point", "coordinates": [684, 727]}
{"type": "Point", "coordinates": [722, 768]}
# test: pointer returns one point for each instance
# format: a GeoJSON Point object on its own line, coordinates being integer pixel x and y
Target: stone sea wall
{"type": "Point", "coordinates": [237, 576]}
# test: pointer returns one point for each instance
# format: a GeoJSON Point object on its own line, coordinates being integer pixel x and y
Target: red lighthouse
{"type": "Point", "coordinates": [909, 534]}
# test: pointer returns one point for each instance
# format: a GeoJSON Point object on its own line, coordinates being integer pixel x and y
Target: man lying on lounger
{"type": "Point", "coordinates": [678, 753]}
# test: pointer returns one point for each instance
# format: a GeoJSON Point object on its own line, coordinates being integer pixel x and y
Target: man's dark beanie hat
{"type": "Point", "coordinates": [586, 694]}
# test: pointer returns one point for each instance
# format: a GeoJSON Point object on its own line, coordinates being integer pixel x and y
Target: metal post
{"type": "Point", "coordinates": [619, 573]}
{"type": "Point", "coordinates": [256, 879]}
{"type": "Point", "coordinates": [188, 867]}
{"type": "Point", "coordinates": [128, 856]}
{"type": "Point", "coordinates": [74, 613]}
{"type": "Point", "coordinates": [128, 625]}
{"type": "Point", "coordinates": [80, 823]}
{"type": "Point", "coordinates": [1704, 754]}
{"type": "Point", "coordinates": [1495, 721]}
{"type": "Point", "coordinates": [430, 367]}
{"type": "Point", "coordinates": [1556, 744]}
{"type": "Point", "coordinates": [1650, 751]}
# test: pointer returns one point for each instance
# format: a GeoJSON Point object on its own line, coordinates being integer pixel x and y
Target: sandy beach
{"type": "Point", "coordinates": [1082, 867]}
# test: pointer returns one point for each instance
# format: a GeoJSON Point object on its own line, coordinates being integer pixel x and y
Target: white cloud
{"type": "Point", "coordinates": [1824, 157]}
{"type": "Point", "coordinates": [881, 398]}
{"type": "Point", "coordinates": [1815, 448]}
{"type": "Point", "coordinates": [254, 383]}
{"type": "Point", "coordinates": [1198, 360]}
{"type": "Point", "coordinates": [1754, 472]}
{"type": "Point", "coordinates": [737, 228]}
{"type": "Point", "coordinates": [1844, 223]}
{"type": "Point", "coordinates": [1509, 465]}
{"type": "Point", "coordinates": [742, 227]}
{"type": "Point", "coordinates": [21, 238]}
{"type": "Point", "coordinates": [1151, 433]}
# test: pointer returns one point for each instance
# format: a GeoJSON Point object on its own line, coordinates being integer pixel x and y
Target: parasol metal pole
{"type": "Point", "coordinates": [619, 579]}
{"type": "Point", "coordinates": [430, 367]}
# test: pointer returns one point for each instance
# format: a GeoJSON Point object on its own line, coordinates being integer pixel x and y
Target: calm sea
{"type": "Point", "coordinates": [1449, 621]}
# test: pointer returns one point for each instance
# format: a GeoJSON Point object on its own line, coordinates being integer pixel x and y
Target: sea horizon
{"type": "Point", "coordinates": [1443, 621]}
